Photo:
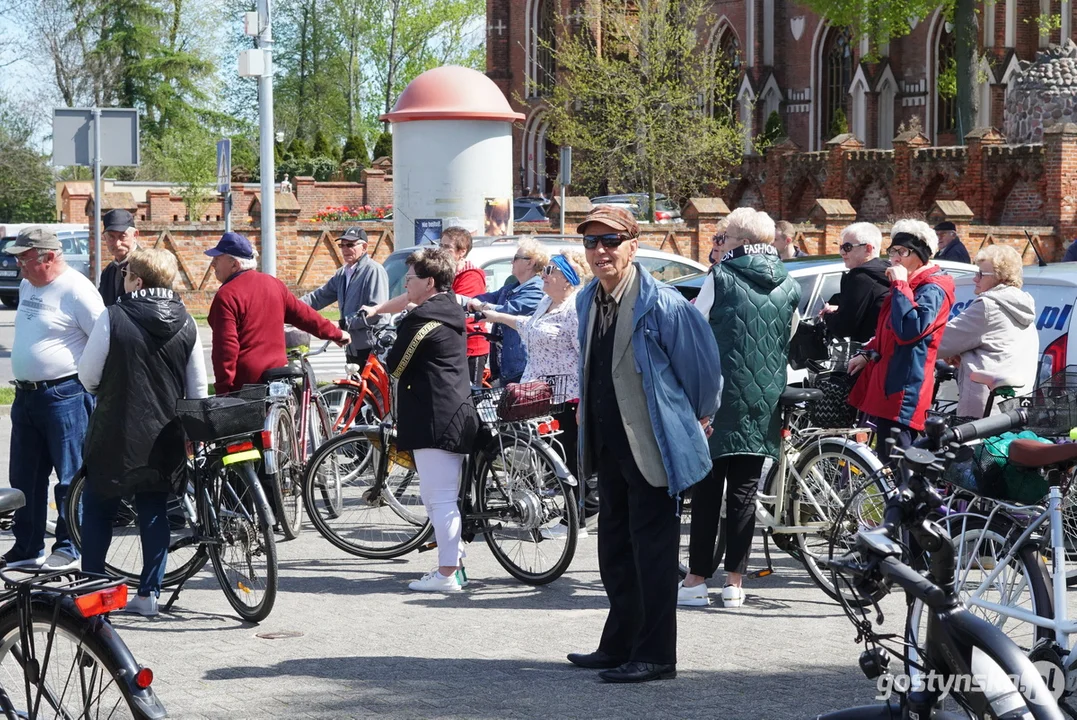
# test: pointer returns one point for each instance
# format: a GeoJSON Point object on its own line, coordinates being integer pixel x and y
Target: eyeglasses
{"type": "Point", "coordinates": [610, 240]}
{"type": "Point", "coordinates": [126, 271]}
{"type": "Point", "coordinates": [980, 274]}
{"type": "Point", "coordinates": [27, 258]}
{"type": "Point", "coordinates": [899, 252]}
{"type": "Point", "coordinates": [520, 257]}
{"type": "Point", "coordinates": [849, 247]}
{"type": "Point", "coordinates": [549, 270]}
{"type": "Point", "coordinates": [348, 244]}
{"type": "Point", "coordinates": [718, 239]}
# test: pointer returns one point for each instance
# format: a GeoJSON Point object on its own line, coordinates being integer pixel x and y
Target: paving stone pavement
{"type": "Point", "coordinates": [358, 644]}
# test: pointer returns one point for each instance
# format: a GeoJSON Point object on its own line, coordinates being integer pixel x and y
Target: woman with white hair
{"type": "Point", "coordinates": [749, 300]}
{"type": "Point", "coordinates": [854, 312]}
{"type": "Point", "coordinates": [897, 366]}
{"type": "Point", "coordinates": [996, 333]}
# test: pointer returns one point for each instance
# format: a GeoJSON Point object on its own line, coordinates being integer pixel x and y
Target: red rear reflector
{"type": "Point", "coordinates": [240, 447]}
{"type": "Point", "coordinates": [267, 439]}
{"type": "Point", "coordinates": [102, 601]}
{"type": "Point", "coordinates": [549, 427]}
{"type": "Point", "coordinates": [144, 678]}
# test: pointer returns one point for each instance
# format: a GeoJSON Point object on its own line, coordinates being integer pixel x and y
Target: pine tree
{"type": "Point", "coordinates": [384, 146]}
{"type": "Point", "coordinates": [355, 149]}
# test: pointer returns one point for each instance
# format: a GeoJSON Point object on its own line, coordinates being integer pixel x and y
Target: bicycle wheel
{"type": "Point", "coordinates": [1069, 528]}
{"type": "Point", "coordinates": [347, 407]}
{"type": "Point", "coordinates": [286, 482]}
{"type": "Point", "coordinates": [330, 491]}
{"type": "Point", "coordinates": [382, 515]}
{"type": "Point", "coordinates": [82, 678]}
{"type": "Point", "coordinates": [124, 558]}
{"type": "Point", "coordinates": [244, 555]}
{"type": "Point", "coordinates": [824, 477]}
{"type": "Point", "coordinates": [530, 515]}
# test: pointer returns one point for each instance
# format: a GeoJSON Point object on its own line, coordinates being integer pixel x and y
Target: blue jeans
{"type": "Point", "coordinates": [48, 427]}
{"type": "Point", "coordinates": [98, 514]}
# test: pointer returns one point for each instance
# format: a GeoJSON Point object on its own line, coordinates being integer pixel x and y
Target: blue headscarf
{"type": "Point", "coordinates": [566, 269]}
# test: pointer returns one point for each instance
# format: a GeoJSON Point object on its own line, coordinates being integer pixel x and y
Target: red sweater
{"type": "Point", "coordinates": [248, 316]}
{"type": "Point", "coordinates": [470, 281]}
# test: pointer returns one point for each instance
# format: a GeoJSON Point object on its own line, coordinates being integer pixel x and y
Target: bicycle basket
{"type": "Point", "coordinates": [833, 410]}
{"type": "Point", "coordinates": [295, 338]}
{"type": "Point", "coordinates": [985, 469]}
{"type": "Point", "coordinates": [221, 416]}
{"type": "Point", "coordinates": [1052, 410]}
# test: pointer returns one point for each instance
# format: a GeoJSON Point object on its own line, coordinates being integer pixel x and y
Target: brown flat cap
{"type": "Point", "coordinates": [34, 238]}
{"type": "Point", "coordinates": [615, 217]}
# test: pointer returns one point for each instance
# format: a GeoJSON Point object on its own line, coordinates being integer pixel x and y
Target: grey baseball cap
{"type": "Point", "coordinates": [34, 238]}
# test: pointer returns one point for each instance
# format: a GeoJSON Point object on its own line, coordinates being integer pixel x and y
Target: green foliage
{"type": "Point", "coordinates": [188, 157]}
{"type": "Point", "coordinates": [322, 146]}
{"type": "Point", "coordinates": [298, 150]}
{"type": "Point", "coordinates": [633, 114]}
{"type": "Point", "coordinates": [773, 132]}
{"type": "Point", "coordinates": [840, 124]}
{"type": "Point", "coordinates": [319, 167]}
{"type": "Point", "coordinates": [948, 79]}
{"type": "Point", "coordinates": [26, 180]}
{"type": "Point", "coordinates": [355, 149]}
{"type": "Point", "coordinates": [1046, 22]}
{"type": "Point", "coordinates": [384, 146]}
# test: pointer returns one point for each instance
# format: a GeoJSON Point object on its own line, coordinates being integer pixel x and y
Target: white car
{"type": "Point", "coordinates": [494, 256]}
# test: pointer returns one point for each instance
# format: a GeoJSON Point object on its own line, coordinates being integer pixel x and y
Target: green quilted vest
{"type": "Point", "coordinates": [752, 315]}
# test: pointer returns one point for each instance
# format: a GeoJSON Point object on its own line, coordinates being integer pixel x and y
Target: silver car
{"type": "Point", "coordinates": [74, 238]}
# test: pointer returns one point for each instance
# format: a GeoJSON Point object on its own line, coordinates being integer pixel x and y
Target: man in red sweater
{"type": "Point", "coordinates": [248, 316]}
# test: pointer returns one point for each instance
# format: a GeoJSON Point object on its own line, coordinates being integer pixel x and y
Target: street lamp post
{"type": "Point", "coordinates": [265, 140]}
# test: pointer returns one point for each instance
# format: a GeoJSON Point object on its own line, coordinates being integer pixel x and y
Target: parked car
{"type": "Point", "coordinates": [529, 209]}
{"type": "Point", "coordinates": [666, 211]}
{"type": "Point", "coordinates": [75, 239]}
{"type": "Point", "coordinates": [494, 256]}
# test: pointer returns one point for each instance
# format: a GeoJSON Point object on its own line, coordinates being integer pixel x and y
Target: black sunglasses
{"type": "Point", "coordinates": [849, 247]}
{"type": "Point", "coordinates": [610, 240]}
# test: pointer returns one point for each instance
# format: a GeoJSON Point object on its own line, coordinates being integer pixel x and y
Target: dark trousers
{"type": "Point", "coordinates": [638, 532]}
{"type": "Point", "coordinates": [738, 475]}
{"type": "Point", "coordinates": [98, 514]}
{"type": "Point", "coordinates": [883, 428]}
{"type": "Point", "coordinates": [476, 364]}
{"type": "Point", "coordinates": [358, 358]}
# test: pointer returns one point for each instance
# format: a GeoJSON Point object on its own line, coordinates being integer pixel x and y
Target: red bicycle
{"type": "Point", "coordinates": [361, 398]}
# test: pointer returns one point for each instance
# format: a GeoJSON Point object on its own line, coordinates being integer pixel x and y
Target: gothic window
{"type": "Point", "coordinates": [946, 82]}
{"type": "Point", "coordinates": [837, 75]}
{"type": "Point", "coordinates": [545, 67]}
{"type": "Point", "coordinates": [728, 66]}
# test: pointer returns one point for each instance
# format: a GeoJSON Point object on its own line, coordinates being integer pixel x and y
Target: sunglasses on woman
{"type": "Point", "coordinates": [849, 247]}
{"type": "Point", "coordinates": [610, 240]}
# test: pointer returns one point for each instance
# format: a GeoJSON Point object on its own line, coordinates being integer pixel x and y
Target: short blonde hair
{"type": "Point", "coordinates": [157, 268]}
{"type": "Point", "coordinates": [532, 248]}
{"type": "Point", "coordinates": [579, 264]}
{"type": "Point", "coordinates": [755, 226]}
{"type": "Point", "coordinates": [1009, 269]}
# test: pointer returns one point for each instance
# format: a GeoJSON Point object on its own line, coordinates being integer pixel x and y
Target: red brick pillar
{"type": "Point", "coordinates": [377, 187]}
{"type": "Point", "coordinates": [832, 216]}
{"type": "Point", "coordinates": [837, 150]}
{"type": "Point", "coordinates": [1060, 172]}
{"type": "Point", "coordinates": [776, 157]}
{"type": "Point", "coordinates": [702, 216]}
{"type": "Point", "coordinates": [905, 193]}
{"type": "Point", "coordinates": [159, 205]}
{"type": "Point", "coordinates": [973, 186]}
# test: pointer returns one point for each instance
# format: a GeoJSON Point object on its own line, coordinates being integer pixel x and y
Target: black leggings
{"type": "Point", "coordinates": [883, 430]}
{"type": "Point", "coordinates": [741, 473]}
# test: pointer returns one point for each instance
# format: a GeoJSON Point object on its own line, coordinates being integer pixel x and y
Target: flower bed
{"type": "Point", "coordinates": [349, 214]}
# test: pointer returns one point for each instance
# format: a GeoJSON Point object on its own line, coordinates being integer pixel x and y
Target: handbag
{"type": "Point", "coordinates": [521, 401]}
{"type": "Point", "coordinates": [809, 343]}
{"type": "Point", "coordinates": [833, 410]}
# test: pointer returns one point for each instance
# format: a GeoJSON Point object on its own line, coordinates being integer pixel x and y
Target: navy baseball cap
{"type": "Point", "coordinates": [118, 220]}
{"type": "Point", "coordinates": [232, 244]}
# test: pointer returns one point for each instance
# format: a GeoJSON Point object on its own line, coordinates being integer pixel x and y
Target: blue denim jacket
{"type": "Point", "coordinates": [675, 351]}
{"type": "Point", "coordinates": [519, 299]}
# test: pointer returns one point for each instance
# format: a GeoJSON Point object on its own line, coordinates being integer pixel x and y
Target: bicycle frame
{"type": "Point", "coordinates": [372, 376]}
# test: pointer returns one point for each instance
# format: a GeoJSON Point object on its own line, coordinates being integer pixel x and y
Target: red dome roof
{"type": "Point", "coordinates": [452, 92]}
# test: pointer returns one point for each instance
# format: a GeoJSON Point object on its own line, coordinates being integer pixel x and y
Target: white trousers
{"type": "Point", "coordinates": [439, 487]}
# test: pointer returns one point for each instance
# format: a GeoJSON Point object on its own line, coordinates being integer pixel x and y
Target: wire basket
{"type": "Point", "coordinates": [522, 401]}
{"type": "Point", "coordinates": [238, 413]}
{"type": "Point", "coordinates": [1052, 410]}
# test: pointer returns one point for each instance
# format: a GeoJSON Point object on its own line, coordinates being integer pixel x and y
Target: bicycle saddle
{"type": "Point", "coordinates": [11, 500]}
{"type": "Point", "coordinates": [994, 382]}
{"type": "Point", "coordinates": [282, 373]}
{"type": "Point", "coordinates": [1035, 454]}
{"type": "Point", "coordinates": [795, 395]}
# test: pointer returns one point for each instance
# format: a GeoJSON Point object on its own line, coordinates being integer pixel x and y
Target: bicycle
{"type": "Point", "coordinates": [58, 648]}
{"type": "Point", "coordinates": [516, 492]}
{"type": "Point", "coordinates": [220, 512]}
{"type": "Point", "coordinates": [958, 654]}
{"type": "Point", "coordinates": [363, 396]}
{"type": "Point", "coordinates": [817, 471]}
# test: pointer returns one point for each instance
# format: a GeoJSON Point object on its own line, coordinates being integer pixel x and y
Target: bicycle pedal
{"type": "Point", "coordinates": [428, 546]}
{"type": "Point", "coordinates": [765, 572]}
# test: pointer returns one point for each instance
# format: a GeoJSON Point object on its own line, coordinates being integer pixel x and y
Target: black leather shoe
{"type": "Point", "coordinates": [597, 660]}
{"type": "Point", "coordinates": [636, 672]}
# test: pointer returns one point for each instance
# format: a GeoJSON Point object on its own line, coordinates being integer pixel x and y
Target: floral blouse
{"type": "Point", "coordinates": [551, 339]}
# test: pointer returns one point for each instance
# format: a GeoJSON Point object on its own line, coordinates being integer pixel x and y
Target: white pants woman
{"type": "Point", "coordinates": [439, 486]}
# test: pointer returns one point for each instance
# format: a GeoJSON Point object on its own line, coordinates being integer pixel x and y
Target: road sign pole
{"type": "Point", "coordinates": [566, 179]}
{"type": "Point", "coordinates": [265, 141]}
{"type": "Point", "coordinates": [97, 196]}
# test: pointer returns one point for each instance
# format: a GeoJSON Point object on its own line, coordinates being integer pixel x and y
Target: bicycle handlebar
{"type": "Point", "coordinates": [939, 436]}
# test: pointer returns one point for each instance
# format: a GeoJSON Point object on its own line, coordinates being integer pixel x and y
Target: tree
{"type": "Point", "coordinates": [773, 131]}
{"type": "Point", "coordinates": [188, 157]}
{"type": "Point", "coordinates": [882, 21]}
{"type": "Point", "coordinates": [26, 180]}
{"type": "Point", "coordinates": [384, 146]}
{"type": "Point", "coordinates": [632, 102]}
{"type": "Point", "coordinates": [355, 149]}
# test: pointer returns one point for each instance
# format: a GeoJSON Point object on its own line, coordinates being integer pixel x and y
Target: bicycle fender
{"type": "Point", "coordinates": [491, 446]}
{"type": "Point", "coordinates": [250, 477]}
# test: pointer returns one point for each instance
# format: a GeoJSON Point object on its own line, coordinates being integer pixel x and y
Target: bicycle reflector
{"type": "Point", "coordinates": [144, 678]}
{"type": "Point", "coordinates": [267, 439]}
{"type": "Point", "coordinates": [241, 452]}
{"type": "Point", "coordinates": [101, 601]}
{"type": "Point", "coordinates": [549, 427]}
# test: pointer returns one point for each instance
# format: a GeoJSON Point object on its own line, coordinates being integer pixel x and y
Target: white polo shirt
{"type": "Point", "coordinates": [52, 325]}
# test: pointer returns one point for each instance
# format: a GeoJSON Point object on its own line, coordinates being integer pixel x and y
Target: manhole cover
{"type": "Point", "coordinates": [283, 635]}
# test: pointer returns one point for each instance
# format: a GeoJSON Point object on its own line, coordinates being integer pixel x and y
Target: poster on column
{"type": "Point", "coordinates": [428, 232]}
{"type": "Point", "coordinates": [497, 216]}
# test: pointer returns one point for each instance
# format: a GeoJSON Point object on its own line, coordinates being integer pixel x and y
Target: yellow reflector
{"type": "Point", "coordinates": [243, 587]}
{"type": "Point", "coordinates": [241, 457]}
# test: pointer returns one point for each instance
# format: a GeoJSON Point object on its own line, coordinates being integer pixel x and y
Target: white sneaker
{"type": "Point", "coordinates": [732, 596]}
{"type": "Point", "coordinates": [582, 532]}
{"type": "Point", "coordinates": [433, 581]}
{"type": "Point", "coordinates": [144, 606]}
{"type": "Point", "coordinates": [59, 561]}
{"type": "Point", "coordinates": [554, 532]}
{"type": "Point", "coordinates": [693, 596]}
{"type": "Point", "coordinates": [31, 563]}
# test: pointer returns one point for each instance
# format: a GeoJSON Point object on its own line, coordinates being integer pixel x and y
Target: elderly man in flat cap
{"type": "Point", "coordinates": [121, 237]}
{"type": "Point", "coordinates": [650, 383]}
{"type": "Point", "coordinates": [950, 246]}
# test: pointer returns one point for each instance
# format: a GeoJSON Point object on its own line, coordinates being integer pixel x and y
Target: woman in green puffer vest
{"type": "Point", "coordinates": [750, 301]}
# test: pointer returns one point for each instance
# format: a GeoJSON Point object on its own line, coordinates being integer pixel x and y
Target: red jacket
{"type": "Point", "coordinates": [247, 317]}
{"type": "Point", "coordinates": [471, 281]}
{"type": "Point", "coordinates": [898, 386]}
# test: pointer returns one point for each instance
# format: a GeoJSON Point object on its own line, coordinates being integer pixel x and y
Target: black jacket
{"type": "Point", "coordinates": [955, 252]}
{"type": "Point", "coordinates": [433, 397]}
{"type": "Point", "coordinates": [134, 442]}
{"type": "Point", "coordinates": [862, 292]}
{"type": "Point", "coordinates": [111, 286]}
